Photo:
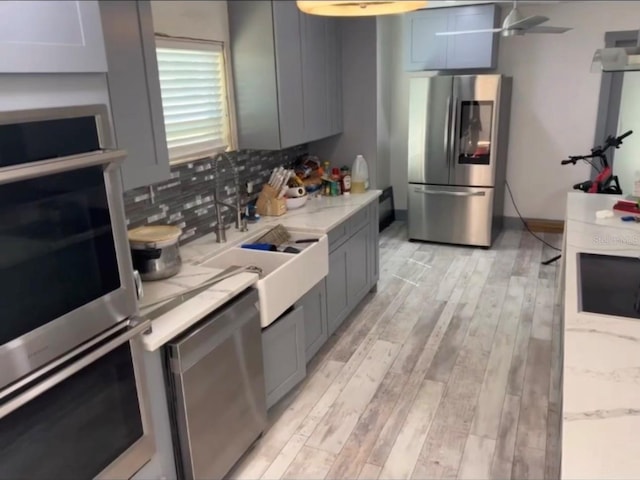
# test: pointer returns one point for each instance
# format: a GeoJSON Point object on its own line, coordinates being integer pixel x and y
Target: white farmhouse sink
{"type": "Point", "coordinates": [285, 276]}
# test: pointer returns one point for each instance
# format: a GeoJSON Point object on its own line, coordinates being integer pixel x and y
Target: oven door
{"type": "Point", "coordinates": [65, 266]}
{"type": "Point", "coordinates": [84, 416]}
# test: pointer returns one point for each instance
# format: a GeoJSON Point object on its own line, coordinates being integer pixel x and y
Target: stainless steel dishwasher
{"type": "Point", "coordinates": [216, 389]}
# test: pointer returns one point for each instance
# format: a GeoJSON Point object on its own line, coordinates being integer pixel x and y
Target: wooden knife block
{"type": "Point", "coordinates": [269, 204]}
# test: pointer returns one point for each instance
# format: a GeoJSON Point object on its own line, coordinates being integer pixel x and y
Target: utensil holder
{"type": "Point", "coordinates": [269, 204]}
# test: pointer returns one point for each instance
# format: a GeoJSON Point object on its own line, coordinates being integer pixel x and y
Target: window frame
{"type": "Point", "coordinates": [186, 43]}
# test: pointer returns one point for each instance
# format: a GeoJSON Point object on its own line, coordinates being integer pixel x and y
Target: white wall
{"type": "Point", "coordinates": [195, 19]}
{"type": "Point", "coordinates": [627, 163]}
{"type": "Point", "coordinates": [554, 107]}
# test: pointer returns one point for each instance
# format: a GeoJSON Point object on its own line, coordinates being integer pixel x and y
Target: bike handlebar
{"type": "Point", "coordinates": [599, 151]}
{"type": "Point", "coordinates": [625, 135]}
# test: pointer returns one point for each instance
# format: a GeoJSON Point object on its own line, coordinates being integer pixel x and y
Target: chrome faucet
{"type": "Point", "coordinates": [221, 235]}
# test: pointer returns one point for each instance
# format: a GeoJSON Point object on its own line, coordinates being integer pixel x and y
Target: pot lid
{"type": "Point", "coordinates": [154, 236]}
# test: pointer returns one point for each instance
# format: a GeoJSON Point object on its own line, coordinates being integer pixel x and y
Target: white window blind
{"type": "Point", "coordinates": [194, 97]}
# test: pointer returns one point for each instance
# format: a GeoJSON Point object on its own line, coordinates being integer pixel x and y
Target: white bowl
{"type": "Point", "coordinates": [293, 203]}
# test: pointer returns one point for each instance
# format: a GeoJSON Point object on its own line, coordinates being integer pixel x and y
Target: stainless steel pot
{"type": "Point", "coordinates": [155, 251]}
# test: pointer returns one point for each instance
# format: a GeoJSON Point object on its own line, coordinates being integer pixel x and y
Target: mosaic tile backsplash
{"type": "Point", "coordinates": [186, 199]}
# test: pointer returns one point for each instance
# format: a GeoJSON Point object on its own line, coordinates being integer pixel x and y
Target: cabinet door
{"type": "Point", "coordinates": [283, 355]}
{"type": "Point", "coordinates": [358, 265]}
{"type": "Point", "coordinates": [475, 50]}
{"type": "Point", "coordinates": [134, 91]}
{"type": "Point", "coordinates": [374, 244]}
{"type": "Point", "coordinates": [314, 53]}
{"type": "Point", "coordinates": [51, 37]}
{"type": "Point", "coordinates": [289, 50]}
{"type": "Point", "coordinates": [337, 284]}
{"type": "Point", "coordinates": [315, 319]}
{"type": "Point", "coordinates": [423, 49]}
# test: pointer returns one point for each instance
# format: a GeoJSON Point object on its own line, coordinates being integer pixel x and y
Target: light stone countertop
{"type": "Point", "coordinates": [601, 368]}
{"type": "Point", "coordinates": [319, 215]}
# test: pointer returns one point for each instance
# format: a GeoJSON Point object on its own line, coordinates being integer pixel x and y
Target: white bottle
{"type": "Point", "coordinates": [359, 175]}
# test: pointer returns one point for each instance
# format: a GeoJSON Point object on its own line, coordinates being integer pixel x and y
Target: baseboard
{"type": "Point", "coordinates": [545, 226]}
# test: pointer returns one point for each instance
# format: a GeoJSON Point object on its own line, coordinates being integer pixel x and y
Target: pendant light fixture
{"type": "Point", "coordinates": [350, 8]}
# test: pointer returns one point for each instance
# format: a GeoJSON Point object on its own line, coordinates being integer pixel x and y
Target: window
{"type": "Point", "coordinates": [194, 98]}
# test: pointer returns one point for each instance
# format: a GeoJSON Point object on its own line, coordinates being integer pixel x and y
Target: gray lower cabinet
{"type": "Point", "coordinates": [283, 350]}
{"type": "Point", "coordinates": [337, 289]}
{"type": "Point", "coordinates": [424, 50]}
{"type": "Point", "coordinates": [358, 265]}
{"type": "Point", "coordinates": [316, 328]}
{"type": "Point", "coordinates": [51, 37]}
{"type": "Point", "coordinates": [353, 264]}
{"type": "Point", "coordinates": [134, 91]}
{"type": "Point", "coordinates": [374, 225]}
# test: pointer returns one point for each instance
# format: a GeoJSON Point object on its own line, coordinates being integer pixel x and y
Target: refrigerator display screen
{"type": "Point", "coordinates": [476, 118]}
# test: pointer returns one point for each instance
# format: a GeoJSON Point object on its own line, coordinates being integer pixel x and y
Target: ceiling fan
{"type": "Point", "coordinates": [516, 24]}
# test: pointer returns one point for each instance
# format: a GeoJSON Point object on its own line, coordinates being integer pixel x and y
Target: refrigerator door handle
{"type": "Point", "coordinates": [449, 193]}
{"type": "Point", "coordinates": [453, 126]}
{"type": "Point", "coordinates": [447, 131]}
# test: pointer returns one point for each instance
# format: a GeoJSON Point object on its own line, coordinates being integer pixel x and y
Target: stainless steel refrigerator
{"type": "Point", "coordinates": [458, 132]}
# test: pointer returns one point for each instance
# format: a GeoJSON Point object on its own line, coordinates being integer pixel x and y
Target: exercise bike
{"type": "Point", "coordinates": [605, 181]}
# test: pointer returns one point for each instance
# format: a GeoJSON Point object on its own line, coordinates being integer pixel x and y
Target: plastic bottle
{"type": "Point", "coordinates": [359, 175]}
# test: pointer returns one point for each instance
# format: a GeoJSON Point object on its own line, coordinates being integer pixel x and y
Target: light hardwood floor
{"type": "Point", "coordinates": [450, 370]}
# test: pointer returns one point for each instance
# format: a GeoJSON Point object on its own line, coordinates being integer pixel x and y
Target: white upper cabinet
{"type": "Point", "coordinates": [51, 36]}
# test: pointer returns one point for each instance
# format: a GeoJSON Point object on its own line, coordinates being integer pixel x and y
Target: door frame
{"type": "Point", "coordinates": [611, 92]}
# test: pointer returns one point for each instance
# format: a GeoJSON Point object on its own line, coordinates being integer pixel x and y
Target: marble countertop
{"type": "Point", "coordinates": [319, 215]}
{"type": "Point", "coordinates": [601, 367]}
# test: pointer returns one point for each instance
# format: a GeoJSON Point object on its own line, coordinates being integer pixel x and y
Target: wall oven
{"type": "Point", "coordinates": [73, 403]}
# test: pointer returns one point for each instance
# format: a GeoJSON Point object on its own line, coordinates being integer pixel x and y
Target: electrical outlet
{"type": "Point", "coordinates": [249, 187]}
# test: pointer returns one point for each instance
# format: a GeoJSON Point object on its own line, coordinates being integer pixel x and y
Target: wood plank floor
{"type": "Point", "coordinates": [450, 370]}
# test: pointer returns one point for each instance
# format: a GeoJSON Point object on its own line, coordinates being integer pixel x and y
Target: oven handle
{"type": "Point", "coordinates": [50, 382]}
{"type": "Point", "coordinates": [59, 165]}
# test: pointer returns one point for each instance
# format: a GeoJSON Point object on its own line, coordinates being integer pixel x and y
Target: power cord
{"type": "Point", "coordinates": [524, 222]}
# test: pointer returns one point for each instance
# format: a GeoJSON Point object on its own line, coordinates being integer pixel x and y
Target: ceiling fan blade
{"type": "Point", "coordinates": [548, 30]}
{"type": "Point", "coordinates": [528, 22]}
{"type": "Point", "coordinates": [467, 32]}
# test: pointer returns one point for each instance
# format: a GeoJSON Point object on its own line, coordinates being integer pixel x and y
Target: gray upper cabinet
{"type": "Point", "coordinates": [287, 74]}
{"type": "Point", "coordinates": [424, 50]}
{"type": "Point", "coordinates": [51, 37]}
{"type": "Point", "coordinates": [134, 91]}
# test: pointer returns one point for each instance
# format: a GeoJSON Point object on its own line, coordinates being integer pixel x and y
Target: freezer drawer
{"type": "Point", "coordinates": [461, 215]}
